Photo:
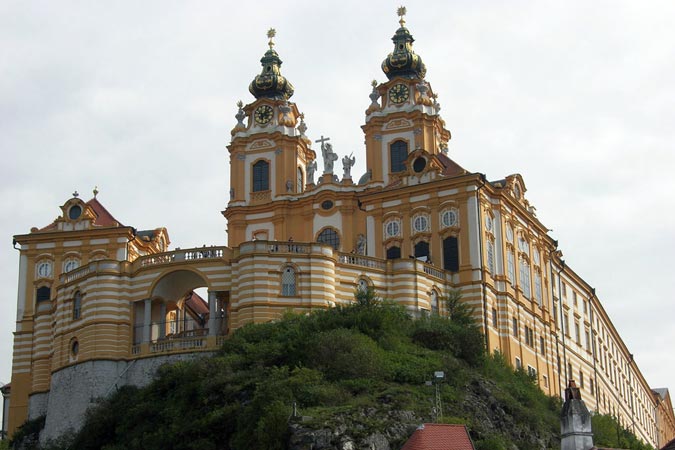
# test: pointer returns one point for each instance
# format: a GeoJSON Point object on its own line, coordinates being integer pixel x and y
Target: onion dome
{"type": "Point", "coordinates": [403, 62]}
{"type": "Point", "coordinates": [270, 83]}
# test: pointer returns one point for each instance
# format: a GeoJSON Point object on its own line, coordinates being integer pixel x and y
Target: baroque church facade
{"type": "Point", "coordinates": [101, 304]}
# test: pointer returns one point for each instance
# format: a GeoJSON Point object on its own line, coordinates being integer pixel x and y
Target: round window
{"type": "Point", "coordinates": [449, 218]}
{"type": "Point", "coordinates": [419, 164]}
{"type": "Point", "coordinates": [420, 224]}
{"type": "Point", "coordinates": [74, 212]}
{"type": "Point", "coordinates": [393, 228]}
{"type": "Point", "coordinates": [327, 204]}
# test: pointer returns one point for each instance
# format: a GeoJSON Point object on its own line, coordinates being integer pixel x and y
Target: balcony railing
{"type": "Point", "coordinates": [363, 261]}
{"type": "Point", "coordinates": [192, 254]}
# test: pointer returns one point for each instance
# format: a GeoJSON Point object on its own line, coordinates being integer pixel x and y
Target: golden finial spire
{"type": "Point", "coordinates": [270, 34]}
{"type": "Point", "coordinates": [240, 104]}
{"type": "Point", "coordinates": [401, 11]}
{"type": "Point", "coordinates": [95, 191]}
{"type": "Point", "coordinates": [373, 83]}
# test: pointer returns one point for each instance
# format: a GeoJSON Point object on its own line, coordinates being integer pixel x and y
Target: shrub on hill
{"type": "Point", "coordinates": [349, 371]}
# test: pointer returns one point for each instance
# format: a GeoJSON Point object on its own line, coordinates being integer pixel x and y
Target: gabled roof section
{"type": "Point", "coordinates": [434, 436]}
{"type": "Point", "coordinates": [80, 215]}
{"type": "Point", "coordinates": [196, 303]}
{"type": "Point", "coordinates": [103, 217]}
{"type": "Point", "coordinates": [451, 168]}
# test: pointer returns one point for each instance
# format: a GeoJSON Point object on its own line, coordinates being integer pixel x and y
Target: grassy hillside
{"type": "Point", "coordinates": [346, 375]}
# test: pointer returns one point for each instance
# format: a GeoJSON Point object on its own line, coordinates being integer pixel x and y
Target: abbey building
{"type": "Point", "coordinates": [101, 304]}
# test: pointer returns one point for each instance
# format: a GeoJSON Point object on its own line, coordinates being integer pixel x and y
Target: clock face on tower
{"type": "Point", "coordinates": [263, 114]}
{"type": "Point", "coordinates": [399, 93]}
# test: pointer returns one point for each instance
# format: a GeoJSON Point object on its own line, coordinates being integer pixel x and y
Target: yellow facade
{"type": "Point", "coordinates": [415, 226]}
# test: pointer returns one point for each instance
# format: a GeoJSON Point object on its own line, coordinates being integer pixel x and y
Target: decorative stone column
{"type": "Point", "coordinates": [147, 319]}
{"type": "Point", "coordinates": [162, 322]}
{"type": "Point", "coordinates": [212, 313]}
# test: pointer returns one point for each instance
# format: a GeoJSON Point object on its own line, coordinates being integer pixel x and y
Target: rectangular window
{"type": "Point", "coordinates": [581, 379]}
{"type": "Point", "coordinates": [545, 379]}
{"type": "Point", "coordinates": [591, 386]}
{"type": "Point", "coordinates": [555, 313]}
{"type": "Point", "coordinates": [529, 336]}
{"type": "Point", "coordinates": [525, 279]}
{"type": "Point", "coordinates": [514, 322]}
{"type": "Point", "coordinates": [494, 317]}
{"type": "Point", "coordinates": [542, 345]}
{"type": "Point", "coordinates": [577, 332]}
{"type": "Point", "coordinates": [491, 257]}
{"type": "Point", "coordinates": [570, 374]}
{"type": "Point", "coordinates": [519, 365]}
{"type": "Point", "coordinates": [261, 176]}
{"type": "Point", "coordinates": [450, 254]}
{"type": "Point", "coordinates": [537, 288]}
{"type": "Point", "coordinates": [587, 335]}
{"type": "Point", "coordinates": [531, 371]}
{"type": "Point", "coordinates": [566, 324]}
{"type": "Point", "coordinates": [585, 307]}
{"type": "Point", "coordinates": [564, 290]}
{"type": "Point", "coordinates": [574, 297]}
{"type": "Point", "coordinates": [510, 267]}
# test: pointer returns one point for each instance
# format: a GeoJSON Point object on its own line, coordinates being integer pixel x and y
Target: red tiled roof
{"type": "Point", "coordinates": [436, 436]}
{"type": "Point", "coordinates": [103, 217]}
{"type": "Point", "coordinates": [451, 167]}
{"type": "Point", "coordinates": [197, 304]}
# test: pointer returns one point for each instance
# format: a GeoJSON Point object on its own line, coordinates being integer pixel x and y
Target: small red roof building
{"type": "Point", "coordinates": [436, 436]}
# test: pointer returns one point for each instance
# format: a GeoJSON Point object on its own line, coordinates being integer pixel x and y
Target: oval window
{"type": "Point", "coordinates": [327, 204]}
{"type": "Point", "coordinates": [419, 164]}
{"type": "Point", "coordinates": [75, 212]}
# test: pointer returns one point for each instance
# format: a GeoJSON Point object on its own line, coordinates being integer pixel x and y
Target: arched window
{"type": "Point", "coordinates": [77, 305]}
{"type": "Point", "coordinates": [43, 294]}
{"type": "Point", "coordinates": [363, 285]}
{"type": "Point", "coordinates": [331, 237]}
{"type": "Point", "coordinates": [394, 252]}
{"type": "Point", "coordinates": [450, 254]}
{"type": "Point", "coordinates": [288, 282]}
{"type": "Point", "coordinates": [398, 153]}
{"type": "Point", "coordinates": [422, 250]}
{"type": "Point", "coordinates": [261, 176]}
{"type": "Point", "coordinates": [300, 181]}
{"type": "Point", "coordinates": [434, 302]}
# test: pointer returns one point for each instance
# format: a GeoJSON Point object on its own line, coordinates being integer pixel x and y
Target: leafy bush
{"type": "Point", "coordinates": [370, 355]}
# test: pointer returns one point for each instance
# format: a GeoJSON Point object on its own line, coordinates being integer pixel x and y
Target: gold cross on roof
{"type": "Point", "coordinates": [401, 11]}
{"type": "Point", "coordinates": [270, 34]}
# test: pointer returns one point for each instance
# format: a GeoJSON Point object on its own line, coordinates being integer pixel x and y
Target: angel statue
{"type": "Point", "coordinates": [347, 164]}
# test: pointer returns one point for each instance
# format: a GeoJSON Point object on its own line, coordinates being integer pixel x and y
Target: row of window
{"type": "Point", "coordinates": [44, 267]}
{"type": "Point", "coordinates": [529, 333]}
{"type": "Point", "coordinates": [398, 153]}
{"type": "Point", "coordinates": [44, 293]}
{"type": "Point", "coordinates": [421, 250]}
{"type": "Point", "coordinates": [420, 223]}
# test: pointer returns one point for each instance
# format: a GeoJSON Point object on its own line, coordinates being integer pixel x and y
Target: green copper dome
{"type": "Point", "coordinates": [270, 83]}
{"type": "Point", "coordinates": [403, 62]}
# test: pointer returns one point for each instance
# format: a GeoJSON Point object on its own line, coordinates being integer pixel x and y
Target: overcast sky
{"type": "Point", "coordinates": [138, 98]}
